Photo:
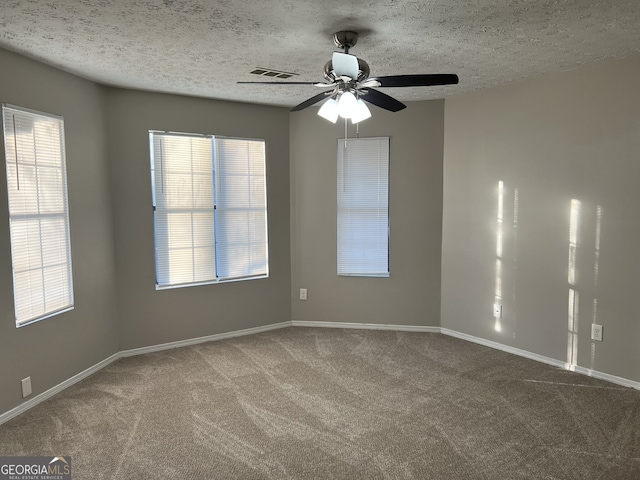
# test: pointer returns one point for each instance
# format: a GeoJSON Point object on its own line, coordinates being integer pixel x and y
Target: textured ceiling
{"type": "Point", "coordinates": [202, 47]}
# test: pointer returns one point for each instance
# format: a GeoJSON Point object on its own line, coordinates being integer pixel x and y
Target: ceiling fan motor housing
{"type": "Point", "coordinates": [363, 71]}
{"type": "Point", "coordinates": [346, 39]}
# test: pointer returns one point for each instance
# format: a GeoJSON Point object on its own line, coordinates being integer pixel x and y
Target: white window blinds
{"type": "Point", "coordinates": [241, 208]}
{"type": "Point", "coordinates": [38, 214]}
{"type": "Point", "coordinates": [183, 201]}
{"type": "Point", "coordinates": [210, 208]}
{"type": "Point", "coordinates": [363, 207]}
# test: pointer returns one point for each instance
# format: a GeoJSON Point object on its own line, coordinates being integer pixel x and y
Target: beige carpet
{"type": "Point", "coordinates": [315, 403]}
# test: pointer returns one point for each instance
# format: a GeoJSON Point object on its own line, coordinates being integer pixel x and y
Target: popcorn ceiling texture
{"type": "Point", "coordinates": [202, 47]}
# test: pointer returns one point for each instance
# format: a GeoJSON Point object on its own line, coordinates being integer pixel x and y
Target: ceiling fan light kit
{"type": "Point", "coordinates": [345, 108]}
{"type": "Point", "coordinates": [348, 77]}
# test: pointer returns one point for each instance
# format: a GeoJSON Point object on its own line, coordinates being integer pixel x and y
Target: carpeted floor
{"type": "Point", "coordinates": [317, 403]}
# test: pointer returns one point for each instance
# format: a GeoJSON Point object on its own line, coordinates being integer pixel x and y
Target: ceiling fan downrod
{"type": "Point", "coordinates": [345, 39]}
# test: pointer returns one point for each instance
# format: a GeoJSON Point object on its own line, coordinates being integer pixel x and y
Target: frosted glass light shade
{"type": "Point", "coordinates": [361, 112]}
{"type": "Point", "coordinates": [329, 110]}
{"type": "Point", "coordinates": [347, 104]}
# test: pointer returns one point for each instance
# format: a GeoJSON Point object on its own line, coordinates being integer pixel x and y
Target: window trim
{"type": "Point", "coordinates": [65, 214]}
{"type": "Point", "coordinates": [218, 279]}
{"type": "Point", "coordinates": [209, 282]}
{"type": "Point", "coordinates": [341, 143]}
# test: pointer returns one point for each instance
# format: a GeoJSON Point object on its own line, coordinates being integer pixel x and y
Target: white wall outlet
{"type": "Point", "coordinates": [26, 387]}
{"type": "Point", "coordinates": [497, 310]}
{"type": "Point", "coordinates": [303, 294]}
{"type": "Point", "coordinates": [596, 332]}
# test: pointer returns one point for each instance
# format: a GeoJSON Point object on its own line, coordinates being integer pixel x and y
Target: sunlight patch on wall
{"type": "Point", "coordinates": [596, 270]}
{"type": "Point", "coordinates": [499, 245]}
{"type": "Point", "coordinates": [574, 296]}
{"type": "Point", "coordinates": [516, 213]}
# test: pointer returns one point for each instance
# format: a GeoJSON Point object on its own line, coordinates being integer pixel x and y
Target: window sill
{"type": "Point", "coordinates": [212, 282]}
{"type": "Point", "coordinates": [44, 317]}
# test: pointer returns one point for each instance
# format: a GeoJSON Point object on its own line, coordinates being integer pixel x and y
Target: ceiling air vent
{"type": "Point", "coordinates": [267, 72]}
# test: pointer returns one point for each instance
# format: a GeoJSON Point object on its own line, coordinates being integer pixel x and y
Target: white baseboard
{"type": "Point", "coordinates": [208, 338]}
{"type": "Point", "coordinates": [41, 397]}
{"type": "Point", "coordinates": [367, 326]}
{"type": "Point", "coordinates": [505, 348]}
{"type": "Point", "coordinates": [298, 323]}
{"type": "Point", "coordinates": [607, 377]}
{"type": "Point", "coordinates": [541, 358]}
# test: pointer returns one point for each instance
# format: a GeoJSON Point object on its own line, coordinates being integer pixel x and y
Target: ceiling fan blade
{"type": "Point", "coordinates": [345, 65]}
{"type": "Point", "coordinates": [381, 100]}
{"type": "Point", "coordinates": [315, 84]}
{"type": "Point", "coordinates": [425, 80]}
{"type": "Point", "coordinates": [310, 101]}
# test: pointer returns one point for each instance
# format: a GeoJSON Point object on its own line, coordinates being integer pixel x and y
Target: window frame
{"type": "Point", "coordinates": [216, 187]}
{"type": "Point", "coordinates": [383, 142]}
{"type": "Point", "coordinates": [21, 252]}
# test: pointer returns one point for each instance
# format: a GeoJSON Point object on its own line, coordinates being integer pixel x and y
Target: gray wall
{"type": "Point", "coordinates": [147, 316]}
{"type": "Point", "coordinates": [554, 139]}
{"type": "Point", "coordinates": [411, 295]}
{"type": "Point", "coordinates": [54, 350]}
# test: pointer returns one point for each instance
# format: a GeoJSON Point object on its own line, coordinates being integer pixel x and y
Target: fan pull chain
{"type": "Point", "coordinates": [345, 133]}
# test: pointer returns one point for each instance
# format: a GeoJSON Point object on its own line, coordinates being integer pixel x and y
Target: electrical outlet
{"type": "Point", "coordinates": [596, 332]}
{"type": "Point", "coordinates": [26, 387]}
{"type": "Point", "coordinates": [303, 294]}
{"type": "Point", "coordinates": [497, 310]}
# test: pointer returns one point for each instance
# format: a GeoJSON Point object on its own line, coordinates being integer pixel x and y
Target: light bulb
{"type": "Point", "coordinates": [347, 104]}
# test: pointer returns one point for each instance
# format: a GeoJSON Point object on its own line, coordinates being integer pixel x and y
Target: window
{"type": "Point", "coordinates": [210, 208]}
{"type": "Point", "coordinates": [363, 207]}
{"type": "Point", "coordinates": [38, 214]}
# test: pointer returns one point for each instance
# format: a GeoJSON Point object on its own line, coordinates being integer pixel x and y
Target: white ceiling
{"type": "Point", "coordinates": [202, 47]}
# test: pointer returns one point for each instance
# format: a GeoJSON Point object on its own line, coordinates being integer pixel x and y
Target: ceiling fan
{"type": "Point", "coordinates": [348, 84]}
